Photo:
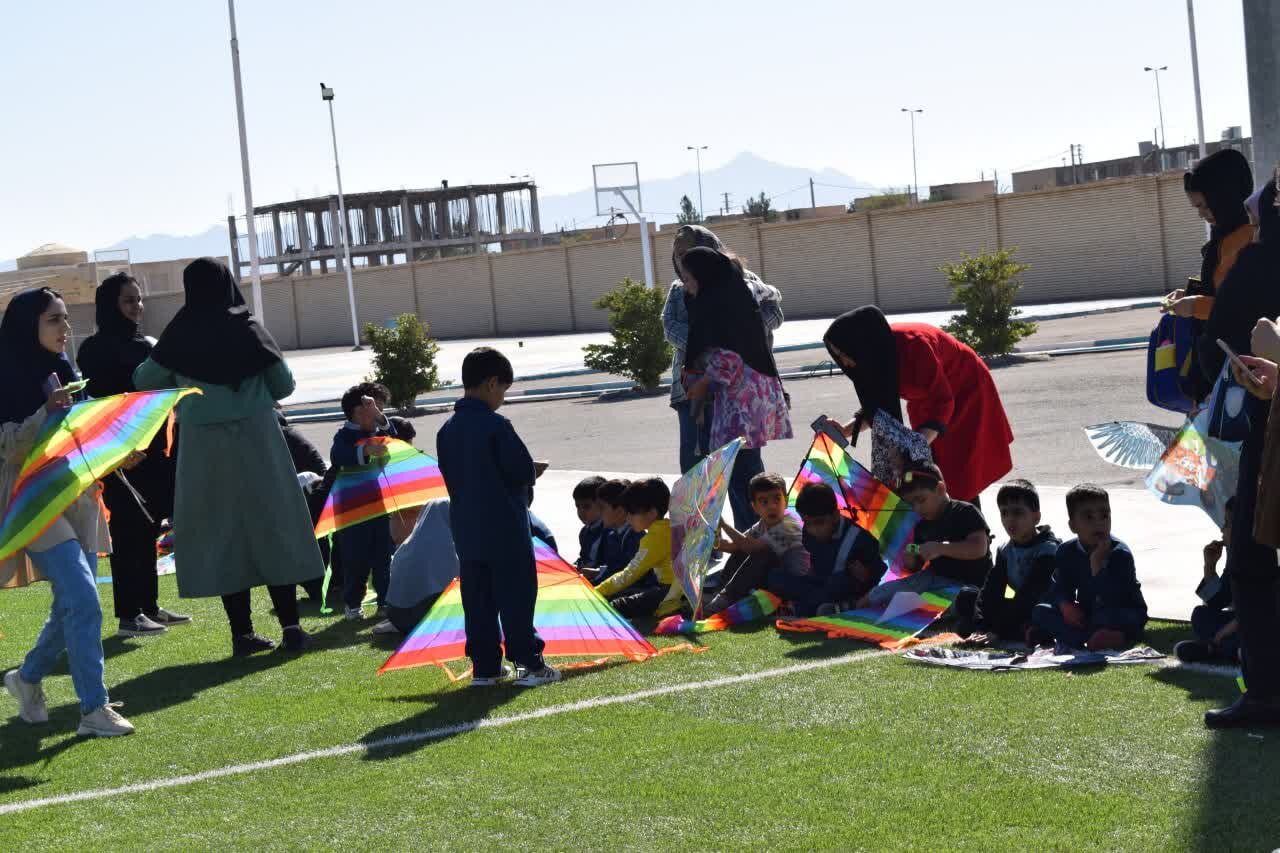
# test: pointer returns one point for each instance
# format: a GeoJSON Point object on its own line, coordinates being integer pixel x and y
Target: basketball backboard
{"type": "Point", "coordinates": [618, 187]}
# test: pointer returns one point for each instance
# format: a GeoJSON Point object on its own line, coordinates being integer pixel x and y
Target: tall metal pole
{"type": "Point", "coordinates": [697, 150]}
{"type": "Point", "coordinates": [1160, 107]}
{"type": "Point", "coordinates": [915, 177]}
{"type": "Point", "coordinates": [255, 274]}
{"type": "Point", "coordinates": [1195, 74]}
{"type": "Point", "coordinates": [327, 94]}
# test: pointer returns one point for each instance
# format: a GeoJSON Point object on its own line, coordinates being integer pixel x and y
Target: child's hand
{"type": "Point", "coordinates": [726, 546]}
{"type": "Point", "coordinates": [1212, 554]}
{"type": "Point", "coordinates": [1098, 559]}
{"type": "Point", "coordinates": [931, 551]}
{"type": "Point", "coordinates": [1072, 614]}
{"type": "Point", "coordinates": [375, 451]}
{"type": "Point", "coordinates": [59, 399]}
{"type": "Point", "coordinates": [133, 460]}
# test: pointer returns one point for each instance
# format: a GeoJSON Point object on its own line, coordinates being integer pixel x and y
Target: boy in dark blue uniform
{"type": "Point", "coordinates": [489, 472]}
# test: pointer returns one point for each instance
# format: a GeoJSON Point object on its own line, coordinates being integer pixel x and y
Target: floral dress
{"type": "Point", "coordinates": [748, 403]}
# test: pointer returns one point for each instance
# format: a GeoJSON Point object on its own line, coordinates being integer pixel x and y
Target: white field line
{"type": "Point", "coordinates": [436, 733]}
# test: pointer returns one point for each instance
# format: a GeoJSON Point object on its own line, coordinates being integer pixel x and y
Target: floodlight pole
{"type": "Point", "coordinates": [255, 272]}
{"type": "Point", "coordinates": [327, 94]}
{"type": "Point", "coordinates": [644, 238]}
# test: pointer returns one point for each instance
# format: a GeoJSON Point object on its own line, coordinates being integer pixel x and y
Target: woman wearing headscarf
{"type": "Point", "coordinates": [1252, 291]}
{"type": "Point", "coordinates": [137, 501]}
{"type": "Point", "coordinates": [951, 398]}
{"type": "Point", "coordinates": [695, 426]}
{"type": "Point", "coordinates": [240, 519]}
{"type": "Point", "coordinates": [33, 369]}
{"type": "Point", "coordinates": [728, 354]}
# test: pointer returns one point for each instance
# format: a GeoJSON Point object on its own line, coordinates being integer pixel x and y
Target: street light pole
{"type": "Point", "coordinates": [697, 150]}
{"type": "Point", "coordinates": [255, 273]}
{"type": "Point", "coordinates": [327, 94]}
{"type": "Point", "coordinates": [1195, 74]}
{"type": "Point", "coordinates": [915, 177]}
{"type": "Point", "coordinates": [1160, 107]}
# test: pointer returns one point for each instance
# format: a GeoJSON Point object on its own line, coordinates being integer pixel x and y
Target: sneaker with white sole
{"type": "Point", "coordinates": [31, 706]}
{"type": "Point", "coordinates": [104, 722]}
{"type": "Point", "coordinates": [537, 678]}
{"type": "Point", "coordinates": [353, 614]}
{"type": "Point", "coordinates": [385, 627]}
{"type": "Point", "coordinates": [140, 626]}
{"type": "Point", "coordinates": [166, 617]}
{"type": "Point", "coordinates": [493, 680]}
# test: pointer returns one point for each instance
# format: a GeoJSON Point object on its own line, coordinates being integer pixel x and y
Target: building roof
{"type": "Point", "coordinates": [52, 255]}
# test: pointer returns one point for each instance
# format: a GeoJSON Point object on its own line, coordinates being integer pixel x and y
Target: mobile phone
{"type": "Point", "coordinates": [1235, 359]}
{"type": "Point", "coordinates": [831, 429]}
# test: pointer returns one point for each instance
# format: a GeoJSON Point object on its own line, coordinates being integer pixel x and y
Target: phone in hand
{"type": "Point", "coordinates": [1235, 359]}
{"type": "Point", "coordinates": [831, 429]}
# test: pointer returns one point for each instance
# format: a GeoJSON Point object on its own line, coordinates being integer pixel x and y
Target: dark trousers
{"type": "Point", "coordinates": [636, 603]}
{"type": "Point", "coordinates": [1007, 618]}
{"type": "Point", "coordinates": [1255, 577]}
{"type": "Point", "coordinates": [809, 592]}
{"type": "Point", "coordinates": [366, 550]}
{"type": "Point", "coordinates": [1047, 617]}
{"type": "Point", "coordinates": [239, 608]}
{"type": "Point", "coordinates": [134, 586]}
{"type": "Point", "coordinates": [694, 436]}
{"type": "Point", "coordinates": [1207, 621]}
{"type": "Point", "coordinates": [502, 592]}
{"type": "Point", "coordinates": [407, 618]}
{"type": "Point", "coordinates": [742, 574]}
{"type": "Point", "coordinates": [748, 464]}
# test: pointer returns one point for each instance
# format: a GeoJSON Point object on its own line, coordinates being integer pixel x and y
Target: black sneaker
{"type": "Point", "coordinates": [1193, 651]}
{"type": "Point", "coordinates": [165, 617]}
{"type": "Point", "coordinates": [966, 610]}
{"type": "Point", "coordinates": [139, 626]}
{"type": "Point", "coordinates": [296, 639]}
{"type": "Point", "coordinates": [249, 644]}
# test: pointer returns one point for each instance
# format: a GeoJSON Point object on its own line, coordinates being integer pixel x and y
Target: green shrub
{"type": "Point", "coordinates": [639, 350]}
{"type": "Point", "coordinates": [404, 359]}
{"type": "Point", "coordinates": [986, 286]}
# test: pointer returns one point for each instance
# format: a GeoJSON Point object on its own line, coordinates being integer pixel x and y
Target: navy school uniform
{"type": "Point", "coordinates": [1111, 599]}
{"type": "Point", "coordinates": [830, 578]}
{"type": "Point", "coordinates": [365, 548]}
{"type": "Point", "coordinates": [618, 547]}
{"type": "Point", "coordinates": [1028, 571]}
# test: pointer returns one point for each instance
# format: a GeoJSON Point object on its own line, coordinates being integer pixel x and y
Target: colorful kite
{"type": "Point", "coordinates": [697, 502]}
{"type": "Point", "coordinates": [861, 497]}
{"type": "Point", "coordinates": [754, 607]}
{"type": "Point", "coordinates": [572, 618]}
{"type": "Point", "coordinates": [76, 448]}
{"type": "Point", "coordinates": [895, 626]}
{"type": "Point", "coordinates": [404, 478]}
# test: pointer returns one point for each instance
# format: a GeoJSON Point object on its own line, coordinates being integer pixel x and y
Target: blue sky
{"type": "Point", "coordinates": [119, 117]}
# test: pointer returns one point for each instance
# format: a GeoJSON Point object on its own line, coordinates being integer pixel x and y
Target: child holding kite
{"type": "Point", "coordinates": [33, 337]}
{"type": "Point", "coordinates": [772, 546]}
{"type": "Point", "coordinates": [844, 560]}
{"type": "Point", "coordinates": [489, 472]}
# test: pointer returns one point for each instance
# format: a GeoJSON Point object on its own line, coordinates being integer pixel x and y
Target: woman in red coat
{"type": "Point", "coordinates": [951, 397]}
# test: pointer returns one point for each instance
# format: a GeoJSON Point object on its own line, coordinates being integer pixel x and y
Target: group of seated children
{"type": "Point", "coordinates": [1083, 593]}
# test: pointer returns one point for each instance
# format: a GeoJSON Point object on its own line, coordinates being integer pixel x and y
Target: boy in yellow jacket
{"type": "Point", "coordinates": [647, 586]}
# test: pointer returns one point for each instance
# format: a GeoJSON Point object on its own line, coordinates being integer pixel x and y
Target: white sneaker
{"type": "Point", "coordinates": [385, 627]}
{"type": "Point", "coordinates": [546, 675]}
{"type": "Point", "coordinates": [31, 707]}
{"type": "Point", "coordinates": [492, 680]}
{"type": "Point", "coordinates": [353, 614]}
{"type": "Point", "coordinates": [104, 722]}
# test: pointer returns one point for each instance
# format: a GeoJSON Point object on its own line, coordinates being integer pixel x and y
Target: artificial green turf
{"type": "Point", "coordinates": [875, 754]}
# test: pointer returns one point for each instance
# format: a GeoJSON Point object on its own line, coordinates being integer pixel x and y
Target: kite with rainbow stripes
{"type": "Point", "coordinates": [404, 478]}
{"type": "Point", "coordinates": [758, 605]}
{"type": "Point", "coordinates": [76, 448]}
{"type": "Point", "coordinates": [895, 626]}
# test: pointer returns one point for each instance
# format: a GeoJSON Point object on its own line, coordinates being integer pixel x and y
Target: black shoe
{"type": "Point", "coordinates": [1246, 713]}
{"type": "Point", "coordinates": [296, 639]}
{"type": "Point", "coordinates": [1193, 651]}
{"type": "Point", "coordinates": [250, 644]}
{"type": "Point", "coordinates": [966, 610]}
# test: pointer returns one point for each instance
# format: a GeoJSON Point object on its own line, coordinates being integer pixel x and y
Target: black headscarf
{"type": "Point", "coordinates": [108, 357]}
{"type": "Point", "coordinates": [864, 335]}
{"type": "Point", "coordinates": [25, 365]}
{"type": "Point", "coordinates": [1225, 180]}
{"type": "Point", "coordinates": [724, 314]}
{"type": "Point", "coordinates": [213, 338]}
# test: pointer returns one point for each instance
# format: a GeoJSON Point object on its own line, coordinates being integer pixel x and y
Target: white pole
{"type": "Point", "coordinates": [915, 176]}
{"type": "Point", "coordinates": [1195, 74]}
{"type": "Point", "coordinates": [342, 229]}
{"type": "Point", "coordinates": [255, 274]}
{"type": "Point", "coordinates": [644, 238]}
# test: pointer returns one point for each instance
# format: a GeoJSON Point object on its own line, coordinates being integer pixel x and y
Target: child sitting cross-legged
{"type": "Point", "coordinates": [844, 560]}
{"type": "Point", "coordinates": [771, 545]}
{"type": "Point", "coordinates": [1022, 572]}
{"type": "Point", "coordinates": [1214, 622]}
{"type": "Point", "coordinates": [647, 586]}
{"type": "Point", "coordinates": [1095, 600]}
{"type": "Point", "coordinates": [585, 501]}
{"type": "Point", "coordinates": [618, 541]}
{"type": "Point", "coordinates": [953, 542]}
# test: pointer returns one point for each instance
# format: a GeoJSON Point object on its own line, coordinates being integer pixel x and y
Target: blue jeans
{"type": "Point", "coordinates": [694, 438]}
{"type": "Point", "coordinates": [74, 624]}
{"type": "Point", "coordinates": [748, 464]}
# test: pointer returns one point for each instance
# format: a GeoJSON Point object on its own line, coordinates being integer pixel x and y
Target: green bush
{"type": "Point", "coordinates": [639, 350]}
{"type": "Point", "coordinates": [987, 285]}
{"type": "Point", "coordinates": [404, 360]}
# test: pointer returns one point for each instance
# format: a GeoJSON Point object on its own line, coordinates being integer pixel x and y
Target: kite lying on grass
{"type": "Point", "coordinates": [76, 448]}
{"type": "Point", "coordinates": [1000, 660]}
{"type": "Point", "coordinates": [404, 478]}
{"type": "Point", "coordinates": [754, 607]}
{"type": "Point", "coordinates": [896, 626]}
{"type": "Point", "coordinates": [572, 619]}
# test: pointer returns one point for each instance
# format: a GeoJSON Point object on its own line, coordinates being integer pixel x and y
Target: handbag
{"type": "Point", "coordinates": [1231, 408]}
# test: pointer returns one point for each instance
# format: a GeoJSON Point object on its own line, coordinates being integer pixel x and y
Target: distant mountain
{"type": "Point", "coordinates": [746, 175]}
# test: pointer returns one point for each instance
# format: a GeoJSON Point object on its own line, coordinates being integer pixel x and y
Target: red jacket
{"type": "Point", "coordinates": [949, 388]}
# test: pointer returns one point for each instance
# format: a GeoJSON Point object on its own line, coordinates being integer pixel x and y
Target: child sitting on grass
{"type": "Point", "coordinates": [1095, 600]}
{"type": "Point", "coordinates": [844, 560]}
{"type": "Point", "coordinates": [771, 545]}
{"type": "Point", "coordinates": [1213, 622]}
{"type": "Point", "coordinates": [1022, 572]}
{"type": "Point", "coordinates": [647, 586]}
{"type": "Point", "coordinates": [952, 538]}
{"type": "Point", "coordinates": [619, 541]}
{"type": "Point", "coordinates": [585, 500]}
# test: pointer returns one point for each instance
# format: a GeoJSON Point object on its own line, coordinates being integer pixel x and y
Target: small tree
{"type": "Point", "coordinates": [761, 208]}
{"type": "Point", "coordinates": [689, 214]}
{"type": "Point", "coordinates": [987, 285]}
{"type": "Point", "coordinates": [404, 359]}
{"type": "Point", "coordinates": [639, 350]}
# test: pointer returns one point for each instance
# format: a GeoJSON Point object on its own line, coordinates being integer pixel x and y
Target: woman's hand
{"type": "Point", "coordinates": [698, 390]}
{"type": "Point", "coordinates": [1171, 298]}
{"type": "Point", "coordinates": [1265, 340]}
{"type": "Point", "coordinates": [1184, 307]}
{"type": "Point", "coordinates": [857, 424]}
{"type": "Point", "coordinates": [59, 400]}
{"type": "Point", "coordinates": [930, 434]}
{"type": "Point", "coordinates": [1266, 371]}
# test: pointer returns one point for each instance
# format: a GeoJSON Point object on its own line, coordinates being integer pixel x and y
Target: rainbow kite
{"type": "Point", "coordinates": [572, 618]}
{"type": "Point", "coordinates": [861, 497]}
{"type": "Point", "coordinates": [755, 606]}
{"type": "Point", "coordinates": [697, 502]}
{"type": "Point", "coordinates": [404, 478]}
{"type": "Point", "coordinates": [895, 626]}
{"type": "Point", "coordinates": [75, 448]}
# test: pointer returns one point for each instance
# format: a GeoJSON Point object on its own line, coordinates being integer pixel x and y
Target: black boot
{"type": "Point", "coordinates": [1246, 713]}
{"type": "Point", "coordinates": [296, 639]}
{"type": "Point", "coordinates": [243, 645]}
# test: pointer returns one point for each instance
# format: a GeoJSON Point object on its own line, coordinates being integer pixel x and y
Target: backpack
{"type": "Point", "coordinates": [1171, 364]}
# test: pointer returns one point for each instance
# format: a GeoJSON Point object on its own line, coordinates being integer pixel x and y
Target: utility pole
{"type": "Point", "coordinates": [255, 274]}
{"type": "Point", "coordinates": [326, 94]}
{"type": "Point", "coordinates": [915, 176]}
{"type": "Point", "coordinates": [1195, 74]}
{"type": "Point", "coordinates": [1160, 108]}
{"type": "Point", "coordinates": [812, 201]}
{"type": "Point", "coordinates": [1072, 148]}
{"type": "Point", "coordinates": [726, 204]}
{"type": "Point", "coordinates": [697, 150]}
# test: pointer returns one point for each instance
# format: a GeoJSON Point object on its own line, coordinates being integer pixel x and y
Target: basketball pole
{"type": "Point", "coordinates": [644, 238]}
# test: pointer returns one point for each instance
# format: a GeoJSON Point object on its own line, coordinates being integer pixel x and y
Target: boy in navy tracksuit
{"type": "Point", "coordinates": [844, 560]}
{"type": "Point", "coordinates": [592, 533]}
{"type": "Point", "coordinates": [365, 548]}
{"type": "Point", "coordinates": [489, 473]}
{"type": "Point", "coordinates": [618, 543]}
{"type": "Point", "coordinates": [1095, 601]}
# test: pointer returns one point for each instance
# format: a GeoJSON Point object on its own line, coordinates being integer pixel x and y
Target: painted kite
{"type": "Point", "coordinates": [697, 503]}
